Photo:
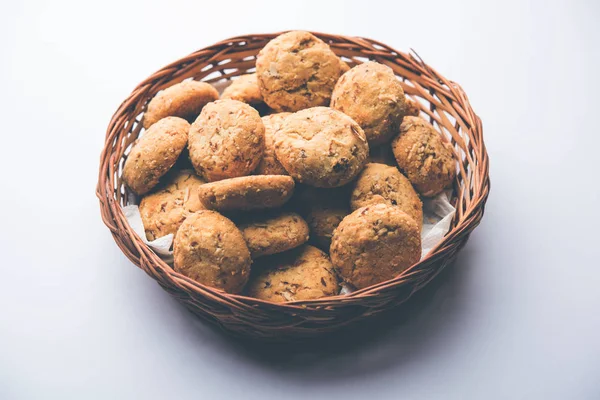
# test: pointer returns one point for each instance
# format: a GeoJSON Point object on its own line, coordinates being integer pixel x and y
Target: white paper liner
{"type": "Point", "coordinates": [437, 217]}
{"type": "Point", "coordinates": [161, 246]}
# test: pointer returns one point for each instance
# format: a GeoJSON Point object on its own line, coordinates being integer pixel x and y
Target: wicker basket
{"type": "Point", "coordinates": [441, 101]}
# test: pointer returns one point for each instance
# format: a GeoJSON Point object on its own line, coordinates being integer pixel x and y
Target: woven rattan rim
{"type": "Point", "coordinates": [442, 101]}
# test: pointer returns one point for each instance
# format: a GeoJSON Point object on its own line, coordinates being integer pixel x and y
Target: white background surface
{"type": "Point", "coordinates": [516, 317]}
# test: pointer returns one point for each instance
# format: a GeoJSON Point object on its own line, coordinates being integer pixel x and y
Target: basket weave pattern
{"type": "Point", "coordinates": [442, 101]}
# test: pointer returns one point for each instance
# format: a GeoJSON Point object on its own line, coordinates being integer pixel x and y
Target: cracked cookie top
{"type": "Point", "coordinates": [422, 155]}
{"type": "Point", "coordinates": [211, 250]}
{"type": "Point", "coordinates": [227, 140]}
{"type": "Point", "coordinates": [165, 209]}
{"type": "Point", "coordinates": [371, 95]}
{"type": "Point", "coordinates": [321, 147]}
{"type": "Point", "coordinates": [304, 273]}
{"type": "Point", "coordinates": [375, 244]}
{"type": "Point", "coordinates": [297, 70]}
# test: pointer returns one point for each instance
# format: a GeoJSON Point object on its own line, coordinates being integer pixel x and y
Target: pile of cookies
{"type": "Point", "coordinates": [324, 188]}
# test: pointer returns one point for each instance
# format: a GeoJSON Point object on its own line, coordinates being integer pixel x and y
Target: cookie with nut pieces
{"type": "Point", "coordinates": [164, 210]}
{"type": "Point", "coordinates": [270, 233]}
{"type": "Point", "coordinates": [422, 155]}
{"type": "Point", "coordinates": [375, 244]}
{"type": "Point", "coordinates": [304, 273]}
{"type": "Point", "coordinates": [211, 250]}
{"type": "Point", "coordinates": [244, 89]}
{"type": "Point", "coordinates": [297, 70]}
{"type": "Point", "coordinates": [153, 154]}
{"type": "Point", "coordinates": [321, 147]}
{"type": "Point", "coordinates": [372, 96]}
{"type": "Point", "coordinates": [185, 100]}
{"type": "Point", "coordinates": [379, 183]}
{"type": "Point", "coordinates": [227, 140]}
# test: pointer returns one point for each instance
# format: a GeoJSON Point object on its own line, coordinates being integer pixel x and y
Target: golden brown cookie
{"type": "Point", "coordinates": [422, 155]}
{"type": "Point", "coordinates": [321, 147]}
{"type": "Point", "coordinates": [244, 89]}
{"type": "Point", "coordinates": [379, 183]}
{"type": "Point", "coordinates": [270, 233]}
{"type": "Point", "coordinates": [247, 192]}
{"type": "Point", "coordinates": [269, 165]}
{"type": "Point", "coordinates": [297, 70]}
{"type": "Point", "coordinates": [184, 100]}
{"type": "Point", "coordinates": [153, 154]}
{"type": "Point", "coordinates": [375, 244]}
{"type": "Point", "coordinates": [227, 140]}
{"type": "Point", "coordinates": [410, 107]}
{"type": "Point", "coordinates": [371, 95]}
{"type": "Point", "coordinates": [304, 273]}
{"type": "Point", "coordinates": [211, 250]}
{"type": "Point", "coordinates": [164, 210]}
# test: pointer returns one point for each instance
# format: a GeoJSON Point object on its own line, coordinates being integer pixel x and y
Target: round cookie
{"type": "Point", "coordinates": [297, 70]}
{"type": "Point", "coordinates": [379, 183]}
{"type": "Point", "coordinates": [227, 140]}
{"type": "Point", "coordinates": [165, 210]}
{"type": "Point", "coordinates": [270, 234]}
{"type": "Point", "coordinates": [247, 192]}
{"type": "Point", "coordinates": [211, 250]}
{"type": "Point", "coordinates": [244, 89]}
{"type": "Point", "coordinates": [304, 273]}
{"type": "Point", "coordinates": [321, 147]}
{"type": "Point", "coordinates": [154, 153]}
{"type": "Point", "coordinates": [422, 155]}
{"type": "Point", "coordinates": [410, 107]}
{"type": "Point", "coordinates": [371, 95]}
{"type": "Point", "coordinates": [375, 244]}
{"type": "Point", "coordinates": [269, 165]}
{"type": "Point", "coordinates": [184, 100]}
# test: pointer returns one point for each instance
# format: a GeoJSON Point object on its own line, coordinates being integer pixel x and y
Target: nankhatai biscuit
{"type": "Point", "coordinates": [273, 233]}
{"type": "Point", "coordinates": [244, 89]}
{"type": "Point", "coordinates": [297, 70]}
{"type": "Point", "coordinates": [304, 273]}
{"type": "Point", "coordinates": [321, 147]}
{"type": "Point", "coordinates": [227, 140]}
{"type": "Point", "coordinates": [379, 183]}
{"type": "Point", "coordinates": [375, 244]}
{"type": "Point", "coordinates": [247, 192]}
{"type": "Point", "coordinates": [164, 210]}
{"type": "Point", "coordinates": [211, 250]}
{"type": "Point", "coordinates": [421, 154]}
{"type": "Point", "coordinates": [372, 96]}
{"type": "Point", "coordinates": [184, 100]}
{"type": "Point", "coordinates": [153, 154]}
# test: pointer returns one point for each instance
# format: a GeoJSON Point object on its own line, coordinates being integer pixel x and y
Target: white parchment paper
{"type": "Point", "coordinates": [161, 246]}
